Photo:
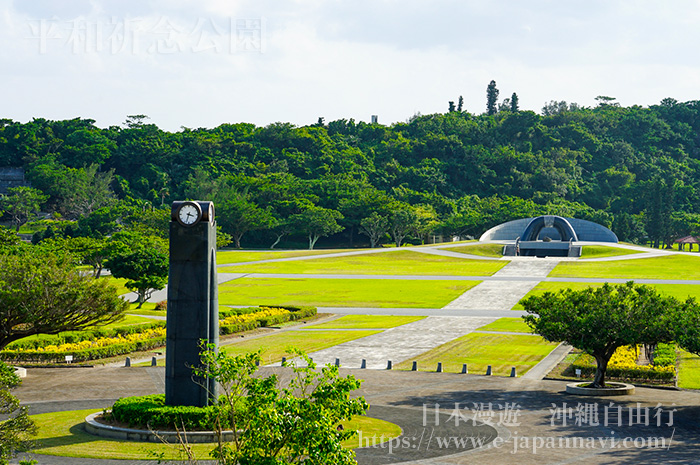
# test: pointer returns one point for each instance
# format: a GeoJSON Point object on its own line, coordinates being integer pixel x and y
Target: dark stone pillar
{"type": "Point", "coordinates": [193, 309]}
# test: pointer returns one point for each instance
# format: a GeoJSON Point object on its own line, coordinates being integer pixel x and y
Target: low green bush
{"type": "Point", "coordinates": [151, 412]}
{"type": "Point", "coordinates": [73, 337]}
{"type": "Point", "coordinates": [665, 355]}
{"type": "Point", "coordinates": [295, 313]}
{"type": "Point", "coordinates": [27, 351]}
{"type": "Point", "coordinates": [93, 353]}
{"type": "Point", "coordinates": [587, 365]}
{"type": "Point", "coordinates": [237, 311]}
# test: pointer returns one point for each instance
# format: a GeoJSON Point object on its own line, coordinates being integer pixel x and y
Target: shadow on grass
{"type": "Point", "coordinates": [77, 435]}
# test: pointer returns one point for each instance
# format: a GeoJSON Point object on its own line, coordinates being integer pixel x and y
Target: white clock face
{"type": "Point", "coordinates": [188, 214]}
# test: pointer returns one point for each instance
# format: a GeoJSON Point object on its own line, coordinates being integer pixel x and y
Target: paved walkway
{"type": "Point", "coordinates": [497, 294]}
{"type": "Point", "coordinates": [400, 343]}
{"type": "Point", "coordinates": [530, 418]}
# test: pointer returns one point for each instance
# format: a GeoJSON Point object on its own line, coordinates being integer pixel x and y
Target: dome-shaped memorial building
{"type": "Point", "coordinates": [548, 235]}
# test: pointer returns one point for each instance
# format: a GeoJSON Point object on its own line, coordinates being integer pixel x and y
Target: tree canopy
{"type": "Point", "coordinates": [17, 428]}
{"type": "Point", "coordinates": [634, 169]}
{"type": "Point", "coordinates": [600, 320]}
{"type": "Point", "coordinates": [41, 293]}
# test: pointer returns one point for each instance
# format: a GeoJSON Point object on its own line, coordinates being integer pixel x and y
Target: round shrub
{"type": "Point", "coordinates": [151, 412]}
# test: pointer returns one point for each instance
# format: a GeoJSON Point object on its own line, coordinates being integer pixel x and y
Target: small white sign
{"type": "Point", "coordinates": [578, 372]}
{"type": "Point", "coordinates": [69, 358]}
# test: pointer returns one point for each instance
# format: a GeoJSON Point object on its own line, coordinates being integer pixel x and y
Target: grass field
{"type": "Point", "coordinates": [688, 370]}
{"type": "Point", "coordinates": [148, 308]}
{"type": "Point", "coordinates": [368, 322]}
{"type": "Point", "coordinates": [511, 325]}
{"type": "Point", "coordinates": [600, 251]}
{"type": "Point", "coordinates": [275, 346]}
{"type": "Point", "coordinates": [477, 350]}
{"type": "Point", "coordinates": [679, 291]}
{"type": "Point", "coordinates": [669, 267]}
{"type": "Point", "coordinates": [240, 256]}
{"type": "Point", "coordinates": [342, 292]}
{"type": "Point", "coordinates": [119, 283]}
{"type": "Point", "coordinates": [486, 250]}
{"type": "Point", "coordinates": [402, 262]}
{"type": "Point", "coordinates": [62, 434]}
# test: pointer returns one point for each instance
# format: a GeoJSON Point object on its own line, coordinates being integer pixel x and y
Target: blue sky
{"type": "Point", "coordinates": [203, 63]}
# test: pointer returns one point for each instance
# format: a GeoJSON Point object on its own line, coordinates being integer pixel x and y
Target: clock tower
{"type": "Point", "coordinates": [193, 304]}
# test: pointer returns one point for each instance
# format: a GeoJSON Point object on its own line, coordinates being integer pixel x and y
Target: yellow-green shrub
{"type": "Point", "coordinates": [623, 364]}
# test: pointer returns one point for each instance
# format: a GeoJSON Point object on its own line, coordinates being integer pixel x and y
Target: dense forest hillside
{"type": "Point", "coordinates": [634, 169]}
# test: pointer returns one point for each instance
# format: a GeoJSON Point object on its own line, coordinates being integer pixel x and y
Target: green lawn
{"type": "Point", "coordinates": [129, 320]}
{"type": "Point", "coordinates": [600, 251]}
{"type": "Point", "coordinates": [368, 322]}
{"type": "Point", "coordinates": [688, 370]}
{"type": "Point", "coordinates": [679, 291]}
{"type": "Point", "coordinates": [275, 346]}
{"type": "Point", "coordinates": [62, 434]}
{"type": "Point", "coordinates": [119, 283]}
{"type": "Point", "coordinates": [148, 308]}
{"type": "Point", "coordinates": [477, 350]}
{"type": "Point", "coordinates": [342, 292]}
{"type": "Point", "coordinates": [403, 262]}
{"type": "Point", "coordinates": [669, 267]}
{"type": "Point", "coordinates": [510, 325]}
{"type": "Point", "coordinates": [240, 256]}
{"type": "Point", "coordinates": [486, 250]}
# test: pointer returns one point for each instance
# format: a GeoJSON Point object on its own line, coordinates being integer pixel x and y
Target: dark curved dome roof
{"type": "Point", "coordinates": [583, 230]}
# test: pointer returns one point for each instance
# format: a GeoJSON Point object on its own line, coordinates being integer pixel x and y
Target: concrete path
{"type": "Point", "coordinates": [548, 363]}
{"type": "Point", "coordinates": [483, 312]}
{"type": "Point", "coordinates": [503, 295]}
{"type": "Point", "coordinates": [400, 343]}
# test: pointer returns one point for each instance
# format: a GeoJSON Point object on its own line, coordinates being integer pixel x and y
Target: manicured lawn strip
{"type": "Point", "coordinates": [403, 262]}
{"type": "Point", "coordinates": [370, 427]}
{"type": "Point", "coordinates": [119, 283]}
{"type": "Point", "coordinates": [501, 351]}
{"type": "Point", "coordinates": [600, 251]}
{"type": "Point", "coordinates": [688, 370]}
{"type": "Point", "coordinates": [240, 256]}
{"type": "Point", "coordinates": [129, 320]}
{"type": "Point", "coordinates": [275, 346]}
{"type": "Point", "coordinates": [368, 322]}
{"type": "Point", "coordinates": [148, 308]}
{"type": "Point", "coordinates": [485, 250]}
{"type": "Point", "coordinates": [342, 292]}
{"type": "Point", "coordinates": [62, 434]}
{"type": "Point", "coordinates": [511, 325]}
{"type": "Point", "coordinates": [668, 267]}
{"type": "Point", "coordinates": [679, 291]}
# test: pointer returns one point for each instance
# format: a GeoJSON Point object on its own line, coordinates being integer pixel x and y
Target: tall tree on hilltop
{"type": "Point", "coordinates": [491, 98]}
{"type": "Point", "coordinates": [514, 103]}
{"type": "Point", "coordinates": [451, 107]}
{"type": "Point", "coordinates": [460, 103]}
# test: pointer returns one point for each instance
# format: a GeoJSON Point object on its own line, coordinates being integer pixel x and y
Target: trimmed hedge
{"type": "Point", "coordinates": [24, 351]}
{"type": "Point", "coordinates": [587, 365]}
{"type": "Point", "coordinates": [73, 337]}
{"type": "Point", "coordinates": [295, 313]}
{"type": "Point", "coordinates": [84, 355]}
{"type": "Point", "coordinates": [151, 412]}
{"type": "Point", "coordinates": [665, 355]}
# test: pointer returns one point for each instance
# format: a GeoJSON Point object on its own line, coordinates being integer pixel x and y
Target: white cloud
{"type": "Point", "coordinates": [338, 59]}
